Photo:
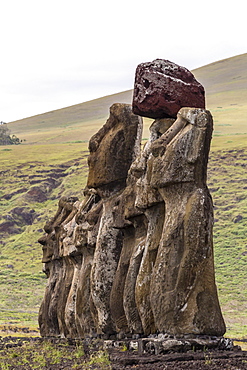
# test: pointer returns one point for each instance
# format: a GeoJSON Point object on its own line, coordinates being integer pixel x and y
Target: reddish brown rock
{"type": "Point", "coordinates": [162, 88]}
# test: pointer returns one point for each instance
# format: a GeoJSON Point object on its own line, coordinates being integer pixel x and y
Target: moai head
{"type": "Point", "coordinates": [113, 148]}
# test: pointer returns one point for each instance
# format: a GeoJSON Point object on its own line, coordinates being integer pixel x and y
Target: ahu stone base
{"type": "Point", "coordinates": [163, 344]}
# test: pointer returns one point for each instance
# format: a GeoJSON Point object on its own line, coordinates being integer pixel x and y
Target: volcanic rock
{"type": "Point", "coordinates": [135, 257]}
{"type": "Point", "coordinates": [162, 88]}
{"type": "Point", "coordinates": [183, 293]}
{"type": "Point", "coordinates": [82, 238]}
{"type": "Point", "coordinates": [112, 147]}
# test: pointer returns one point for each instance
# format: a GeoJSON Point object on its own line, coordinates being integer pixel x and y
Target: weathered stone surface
{"type": "Point", "coordinates": [162, 88]}
{"type": "Point", "coordinates": [155, 218]}
{"type": "Point", "coordinates": [107, 252]}
{"type": "Point", "coordinates": [135, 257]}
{"type": "Point", "coordinates": [111, 149]}
{"type": "Point", "coordinates": [183, 292]}
{"type": "Point", "coordinates": [82, 247]}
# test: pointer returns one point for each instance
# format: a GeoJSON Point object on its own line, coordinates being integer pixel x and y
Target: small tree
{"type": "Point", "coordinates": [5, 137]}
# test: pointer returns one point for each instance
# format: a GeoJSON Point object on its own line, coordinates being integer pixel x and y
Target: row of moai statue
{"type": "Point", "coordinates": [136, 255]}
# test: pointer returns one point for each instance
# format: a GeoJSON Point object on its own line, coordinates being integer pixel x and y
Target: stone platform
{"type": "Point", "coordinates": [163, 344]}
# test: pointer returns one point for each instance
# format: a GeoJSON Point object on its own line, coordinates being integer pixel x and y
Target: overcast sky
{"type": "Point", "coordinates": [57, 53]}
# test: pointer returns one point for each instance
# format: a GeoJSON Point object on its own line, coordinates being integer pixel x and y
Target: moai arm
{"type": "Point", "coordinates": [159, 146]}
{"type": "Point", "coordinates": [201, 121]}
{"type": "Point", "coordinates": [196, 117]}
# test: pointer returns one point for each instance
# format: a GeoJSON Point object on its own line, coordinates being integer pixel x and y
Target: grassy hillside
{"type": "Point", "coordinates": [78, 122]}
{"type": "Point", "coordinates": [53, 161]}
{"type": "Point", "coordinates": [226, 95]}
{"type": "Point", "coordinates": [225, 83]}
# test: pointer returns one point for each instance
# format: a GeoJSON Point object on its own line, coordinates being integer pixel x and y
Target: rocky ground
{"type": "Point", "coordinates": [194, 361]}
{"type": "Point", "coordinates": [35, 353]}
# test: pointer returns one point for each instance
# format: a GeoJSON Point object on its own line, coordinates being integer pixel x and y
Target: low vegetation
{"type": "Point", "coordinates": [227, 182]}
{"type": "Point", "coordinates": [5, 137]}
{"type": "Point", "coordinates": [33, 178]}
{"type": "Point", "coordinates": [47, 355]}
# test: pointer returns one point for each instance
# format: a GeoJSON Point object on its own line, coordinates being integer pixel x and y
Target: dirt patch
{"type": "Point", "coordinates": [194, 360]}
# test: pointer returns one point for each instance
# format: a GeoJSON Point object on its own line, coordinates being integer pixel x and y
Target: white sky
{"type": "Point", "coordinates": [57, 53]}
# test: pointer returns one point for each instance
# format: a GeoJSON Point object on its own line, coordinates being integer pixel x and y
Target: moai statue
{"type": "Point", "coordinates": [136, 255]}
{"type": "Point", "coordinates": [51, 313]}
{"type": "Point", "coordinates": [180, 291]}
{"type": "Point", "coordinates": [149, 200]}
{"type": "Point", "coordinates": [82, 246]}
{"type": "Point", "coordinates": [183, 292]}
{"type": "Point", "coordinates": [112, 150]}
{"type": "Point", "coordinates": [142, 213]}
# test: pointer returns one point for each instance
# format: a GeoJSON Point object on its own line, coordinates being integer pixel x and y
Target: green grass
{"type": "Point", "coordinates": [22, 281]}
{"type": "Point", "coordinates": [42, 355]}
{"type": "Point", "coordinates": [227, 180]}
{"type": "Point", "coordinates": [76, 123]}
{"type": "Point", "coordinates": [58, 140]}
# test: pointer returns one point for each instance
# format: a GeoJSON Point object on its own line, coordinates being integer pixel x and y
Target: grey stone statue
{"type": "Point", "coordinates": [136, 255]}
{"type": "Point", "coordinates": [183, 292]}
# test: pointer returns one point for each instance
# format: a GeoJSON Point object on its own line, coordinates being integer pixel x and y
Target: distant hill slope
{"type": "Point", "coordinates": [225, 82]}
{"type": "Point", "coordinates": [77, 122]}
{"type": "Point", "coordinates": [224, 76]}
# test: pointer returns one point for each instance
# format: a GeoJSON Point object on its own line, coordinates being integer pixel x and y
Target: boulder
{"type": "Point", "coordinates": [162, 88]}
